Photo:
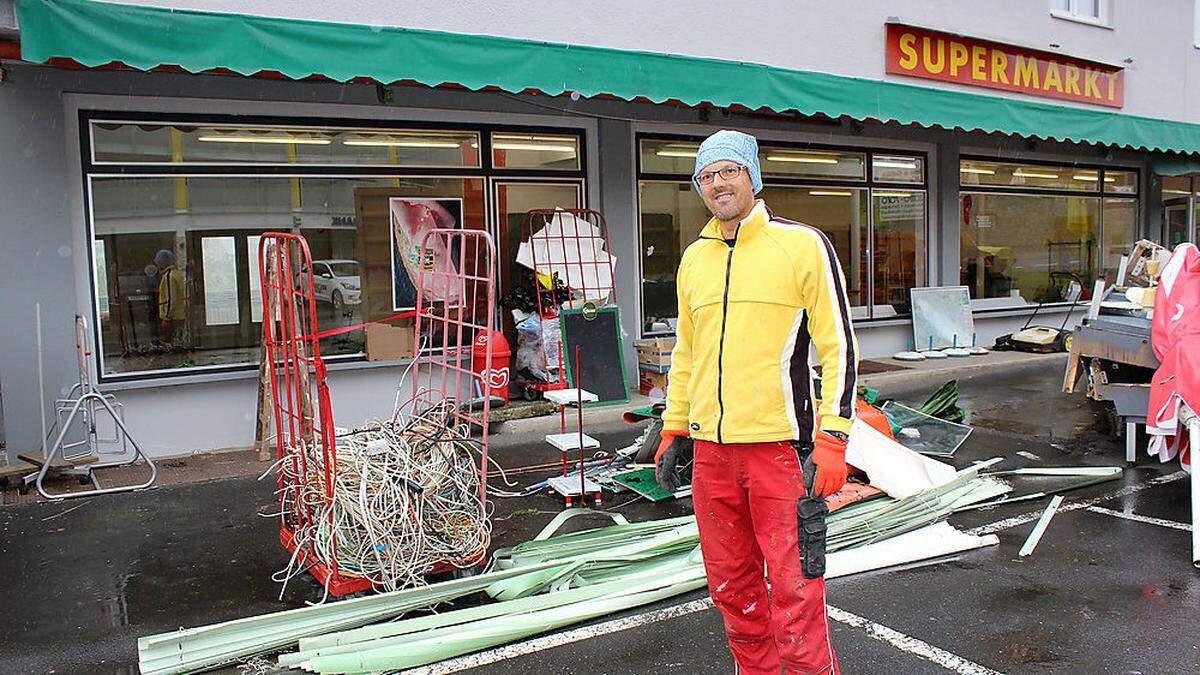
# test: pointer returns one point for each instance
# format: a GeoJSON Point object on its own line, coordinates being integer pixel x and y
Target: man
{"type": "Point", "coordinates": [754, 292]}
{"type": "Point", "coordinates": [172, 296]}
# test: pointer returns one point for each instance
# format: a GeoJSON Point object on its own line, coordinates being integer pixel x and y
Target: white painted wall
{"type": "Point", "coordinates": [844, 38]}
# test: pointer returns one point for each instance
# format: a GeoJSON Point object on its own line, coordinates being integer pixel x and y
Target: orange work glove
{"type": "Point", "coordinates": [829, 455]}
{"type": "Point", "coordinates": [667, 458]}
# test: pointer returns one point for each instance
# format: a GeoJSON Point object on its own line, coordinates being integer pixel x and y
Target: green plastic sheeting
{"type": "Point", "coordinates": [95, 34]}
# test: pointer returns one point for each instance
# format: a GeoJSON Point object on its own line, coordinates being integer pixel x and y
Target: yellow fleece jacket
{"type": "Point", "coordinates": [748, 311]}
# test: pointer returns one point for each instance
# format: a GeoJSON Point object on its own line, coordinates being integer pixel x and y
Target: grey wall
{"type": "Point", "coordinates": [845, 38]}
{"type": "Point", "coordinates": [37, 260]}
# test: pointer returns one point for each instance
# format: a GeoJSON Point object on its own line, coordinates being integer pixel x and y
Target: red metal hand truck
{"type": "Point", "coordinates": [303, 414]}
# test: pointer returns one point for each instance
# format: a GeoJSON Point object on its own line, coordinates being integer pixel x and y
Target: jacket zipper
{"type": "Point", "coordinates": [721, 348]}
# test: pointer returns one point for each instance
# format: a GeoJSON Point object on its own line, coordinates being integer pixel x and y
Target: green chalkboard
{"type": "Point", "coordinates": [597, 332]}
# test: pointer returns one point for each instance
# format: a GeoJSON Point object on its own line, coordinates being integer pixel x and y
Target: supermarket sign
{"type": "Point", "coordinates": [933, 55]}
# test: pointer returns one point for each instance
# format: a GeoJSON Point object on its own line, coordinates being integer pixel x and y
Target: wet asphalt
{"type": "Point", "coordinates": [1101, 594]}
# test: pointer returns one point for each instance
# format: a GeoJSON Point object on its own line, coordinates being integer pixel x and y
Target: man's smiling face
{"type": "Point", "coordinates": [727, 199]}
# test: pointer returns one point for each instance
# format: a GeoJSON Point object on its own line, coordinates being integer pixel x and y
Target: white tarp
{"type": "Point", "coordinates": [891, 467]}
{"type": "Point", "coordinates": [574, 250]}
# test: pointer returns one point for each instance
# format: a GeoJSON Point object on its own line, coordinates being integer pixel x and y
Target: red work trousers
{"type": "Point", "coordinates": [745, 500]}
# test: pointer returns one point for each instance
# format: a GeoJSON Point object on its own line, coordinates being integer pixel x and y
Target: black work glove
{"type": "Point", "coordinates": [673, 461]}
{"type": "Point", "coordinates": [811, 512]}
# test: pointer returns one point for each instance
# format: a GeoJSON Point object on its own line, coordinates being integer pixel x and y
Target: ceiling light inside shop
{"type": "Point", "coordinates": [830, 193]}
{"type": "Point", "coordinates": [534, 147]}
{"type": "Point", "coordinates": [894, 164]}
{"type": "Point", "coordinates": [285, 140]}
{"type": "Point", "coordinates": [982, 172]}
{"type": "Point", "coordinates": [1034, 174]}
{"type": "Point", "coordinates": [401, 143]}
{"type": "Point", "coordinates": [1175, 192]}
{"type": "Point", "coordinates": [675, 153]}
{"type": "Point", "coordinates": [881, 193]}
{"type": "Point", "coordinates": [802, 159]}
{"type": "Point", "coordinates": [1091, 177]}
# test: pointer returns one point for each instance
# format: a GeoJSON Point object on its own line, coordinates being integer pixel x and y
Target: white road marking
{"type": "Point", "coordinates": [910, 645]}
{"type": "Point", "coordinates": [1142, 519]}
{"type": "Point", "coordinates": [1031, 516]}
{"type": "Point", "coordinates": [876, 631]}
{"type": "Point", "coordinates": [559, 639]}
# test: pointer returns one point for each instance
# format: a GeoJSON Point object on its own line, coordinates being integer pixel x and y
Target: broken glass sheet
{"type": "Point", "coordinates": [923, 433]}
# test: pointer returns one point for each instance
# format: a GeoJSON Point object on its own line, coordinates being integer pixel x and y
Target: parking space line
{"type": "Point", "coordinates": [910, 645]}
{"type": "Point", "coordinates": [1142, 519]}
{"type": "Point", "coordinates": [564, 638]}
{"type": "Point", "coordinates": [1031, 516]}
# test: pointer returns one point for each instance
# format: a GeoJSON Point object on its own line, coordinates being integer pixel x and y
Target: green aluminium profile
{"type": "Point", "coordinates": [448, 641]}
{"type": "Point", "coordinates": [196, 649]}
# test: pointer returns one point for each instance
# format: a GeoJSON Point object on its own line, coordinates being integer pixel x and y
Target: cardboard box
{"type": "Point", "coordinates": [387, 343]}
{"type": "Point", "coordinates": [655, 353]}
{"type": "Point", "coordinates": [652, 384]}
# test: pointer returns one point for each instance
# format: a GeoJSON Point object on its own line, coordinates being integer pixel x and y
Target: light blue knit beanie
{"type": "Point", "coordinates": [734, 146]}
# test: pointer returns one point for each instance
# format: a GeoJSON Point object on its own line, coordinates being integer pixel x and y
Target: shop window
{"type": "Point", "coordinates": [898, 219]}
{"type": "Point", "coordinates": [149, 143]}
{"type": "Point", "coordinates": [1119, 232]}
{"type": "Point", "coordinates": [535, 151]}
{"type": "Point", "coordinates": [1014, 245]}
{"type": "Point", "coordinates": [1028, 176]}
{"type": "Point", "coordinates": [101, 267]}
{"type": "Point", "coordinates": [213, 287]}
{"type": "Point", "coordinates": [879, 232]}
{"type": "Point", "coordinates": [898, 169]}
{"type": "Point", "coordinates": [668, 157]}
{"type": "Point", "coordinates": [1124, 182]}
{"type": "Point", "coordinates": [1178, 201]}
{"type": "Point", "coordinates": [827, 164]}
{"type": "Point", "coordinates": [671, 218]}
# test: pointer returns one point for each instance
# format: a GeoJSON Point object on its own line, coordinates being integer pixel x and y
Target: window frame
{"type": "Point", "coordinates": [1101, 194]}
{"type": "Point", "coordinates": [1104, 20]}
{"type": "Point", "coordinates": [869, 184]}
{"type": "Point", "coordinates": [484, 172]}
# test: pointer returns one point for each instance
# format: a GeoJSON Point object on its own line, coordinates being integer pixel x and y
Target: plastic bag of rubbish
{"type": "Point", "coordinates": [551, 337]}
{"type": "Point", "coordinates": [531, 357]}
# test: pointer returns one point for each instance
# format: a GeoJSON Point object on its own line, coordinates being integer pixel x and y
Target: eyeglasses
{"type": "Point", "coordinates": [726, 174]}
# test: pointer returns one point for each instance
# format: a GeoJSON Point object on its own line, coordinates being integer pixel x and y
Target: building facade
{"type": "Point", "coordinates": [985, 171]}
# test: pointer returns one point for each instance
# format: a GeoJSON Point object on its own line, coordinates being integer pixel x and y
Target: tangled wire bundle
{"type": "Point", "coordinates": [406, 499]}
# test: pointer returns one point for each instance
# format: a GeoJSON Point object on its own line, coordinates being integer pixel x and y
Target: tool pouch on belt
{"type": "Point", "coordinates": [811, 511]}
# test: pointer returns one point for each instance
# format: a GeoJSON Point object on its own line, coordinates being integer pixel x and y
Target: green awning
{"type": "Point", "coordinates": [97, 34]}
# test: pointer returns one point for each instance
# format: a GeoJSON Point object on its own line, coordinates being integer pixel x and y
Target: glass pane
{"type": "Point", "coordinates": [185, 144]}
{"type": "Point", "coordinates": [1061, 5]}
{"type": "Point", "coordinates": [1120, 181]}
{"type": "Point", "coordinates": [812, 163]}
{"type": "Point", "coordinates": [540, 151]}
{"type": "Point", "coordinates": [841, 213]}
{"type": "Point", "coordinates": [671, 217]}
{"type": "Point", "coordinates": [1120, 232]}
{"type": "Point", "coordinates": [1175, 217]}
{"type": "Point", "coordinates": [1174, 187]}
{"type": "Point", "coordinates": [101, 276]}
{"type": "Point", "coordinates": [678, 157]}
{"type": "Point", "coordinates": [1028, 176]}
{"type": "Point", "coordinates": [898, 169]}
{"type": "Point", "coordinates": [1088, 8]}
{"type": "Point", "coordinates": [219, 278]}
{"type": "Point", "coordinates": [1016, 249]}
{"type": "Point", "coordinates": [899, 217]}
{"type": "Point", "coordinates": [210, 226]}
{"type": "Point", "coordinates": [252, 263]}
{"type": "Point", "coordinates": [513, 201]}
